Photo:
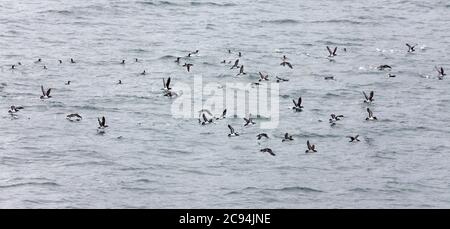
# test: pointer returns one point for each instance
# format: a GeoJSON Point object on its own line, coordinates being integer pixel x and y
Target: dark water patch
{"type": "Point", "coordinates": [281, 22]}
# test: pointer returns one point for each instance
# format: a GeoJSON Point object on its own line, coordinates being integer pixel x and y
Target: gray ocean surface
{"type": "Point", "coordinates": [149, 159]}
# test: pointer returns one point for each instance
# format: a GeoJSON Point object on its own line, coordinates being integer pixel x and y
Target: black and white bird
{"type": "Point", "coordinates": [297, 105]}
{"type": "Point", "coordinates": [384, 67]}
{"type": "Point", "coordinates": [166, 84]}
{"type": "Point", "coordinates": [268, 150]}
{"type": "Point", "coordinates": [123, 62]}
{"type": "Point", "coordinates": [72, 61]}
{"type": "Point", "coordinates": [411, 48]}
{"type": "Point", "coordinates": [241, 71]}
{"type": "Point", "coordinates": [263, 77]}
{"type": "Point", "coordinates": [287, 137]}
{"type": "Point", "coordinates": [441, 72]}
{"type": "Point", "coordinates": [285, 63]}
{"type": "Point", "coordinates": [249, 121]}
{"type": "Point", "coordinates": [45, 94]}
{"type": "Point", "coordinates": [262, 135]}
{"type": "Point", "coordinates": [143, 73]}
{"type": "Point", "coordinates": [236, 64]}
{"type": "Point", "coordinates": [68, 82]}
{"type": "Point", "coordinates": [353, 138]}
{"type": "Point", "coordinates": [223, 115]}
{"type": "Point", "coordinates": [332, 53]}
{"type": "Point", "coordinates": [368, 99]}
{"type": "Point", "coordinates": [102, 123]}
{"type": "Point", "coordinates": [371, 117]}
{"type": "Point", "coordinates": [281, 79]}
{"type": "Point", "coordinates": [206, 120]}
{"type": "Point", "coordinates": [334, 118]}
{"type": "Point", "coordinates": [188, 66]}
{"type": "Point", "coordinates": [311, 148]}
{"type": "Point", "coordinates": [14, 109]}
{"type": "Point", "coordinates": [74, 117]}
{"type": "Point", "coordinates": [177, 60]}
{"type": "Point", "coordinates": [232, 132]}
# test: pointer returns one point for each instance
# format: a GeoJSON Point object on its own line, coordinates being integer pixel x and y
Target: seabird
{"type": "Point", "coordinates": [45, 67]}
{"type": "Point", "coordinates": [371, 117]}
{"type": "Point", "coordinates": [223, 62]}
{"type": "Point", "coordinates": [38, 61]}
{"type": "Point", "coordinates": [391, 75]}
{"type": "Point", "coordinates": [102, 123]}
{"type": "Point", "coordinates": [267, 150]}
{"type": "Point", "coordinates": [287, 137]}
{"type": "Point", "coordinates": [224, 113]}
{"type": "Point", "coordinates": [334, 118]}
{"type": "Point", "coordinates": [74, 117]}
{"type": "Point", "coordinates": [411, 47]}
{"type": "Point", "coordinates": [352, 139]}
{"type": "Point", "coordinates": [206, 120]}
{"type": "Point", "coordinates": [72, 61]}
{"type": "Point", "coordinates": [368, 99]}
{"type": "Point", "coordinates": [284, 63]}
{"type": "Point", "coordinates": [261, 135]}
{"type": "Point", "coordinates": [188, 66]}
{"type": "Point", "coordinates": [441, 72]}
{"type": "Point", "coordinates": [67, 83]}
{"type": "Point", "coordinates": [232, 134]}
{"type": "Point", "coordinates": [297, 105]}
{"type": "Point", "coordinates": [281, 79]}
{"type": "Point", "coordinates": [123, 62]}
{"type": "Point", "coordinates": [329, 77]}
{"type": "Point", "coordinates": [166, 84]}
{"type": "Point", "coordinates": [236, 64]}
{"type": "Point", "coordinates": [143, 73]}
{"type": "Point", "coordinates": [178, 60]}
{"type": "Point", "coordinates": [241, 71]}
{"type": "Point", "coordinates": [60, 61]}
{"type": "Point", "coordinates": [249, 120]}
{"type": "Point", "coordinates": [263, 77]}
{"type": "Point", "coordinates": [18, 63]}
{"type": "Point", "coordinates": [136, 60]}
{"type": "Point", "coordinates": [240, 54]}
{"type": "Point", "coordinates": [14, 109]}
{"type": "Point", "coordinates": [13, 66]}
{"type": "Point", "coordinates": [384, 66]}
{"type": "Point", "coordinates": [311, 148]}
{"type": "Point", "coordinates": [120, 82]}
{"type": "Point", "coordinates": [332, 53]}
{"type": "Point", "coordinates": [45, 94]}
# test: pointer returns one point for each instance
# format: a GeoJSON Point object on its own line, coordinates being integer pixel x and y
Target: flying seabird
{"type": "Point", "coordinates": [236, 64]}
{"type": "Point", "coordinates": [206, 120]}
{"type": "Point", "coordinates": [287, 137]}
{"type": "Point", "coordinates": [166, 84]}
{"type": "Point", "coordinates": [102, 123]}
{"type": "Point", "coordinates": [123, 62]}
{"type": "Point", "coordinates": [45, 94]}
{"type": "Point", "coordinates": [120, 82]}
{"type": "Point", "coordinates": [14, 109]}
{"type": "Point", "coordinates": [178, 60]}
{"type": "Point", "coordinates": [368, 99]}
{"type": "Point", "coordinates": [297, 105]}
{"type": "Point", "coordinates": [188, 66]}
{"type": "Point", "coordinates": [441, 72]}
{"type": "Point", "coordinates": [224, 113]}
{"type": "Point", "coordinates": [353, 138]}
{"type": "Point", "coordinates": [232, 134]}
{"type": "Point", "coordinates": [284, 63]}
{"type": "Point", "coordinates": [263, 77]}
{"type": "Point", "coordinates": [411, 47]}
{"type": "Point", "coordinates": [281, 79]}
{"type": "Point", "coordinates": [384, 66]}
{"type": "Point", "coordinates": [332, 53]}
{"type": "Point", "coordinates": [74, 117]}
{"type": "Point", "coordinates": [261, 135]}
{"type": "Point", "coordinates": [249, 120]}
{"type": "Point", "coordinates": [311, 148]}
{"type": "Point", "coordinates": [241, 71]}
{"type": "Point", "coordinates": [267, 150]}
{"type": "Point", "coordinates": [68, 82]}
{"type": "Point", "coordinates": [371, 117]}
{"type": "Point", "coordinates": [72, 61]}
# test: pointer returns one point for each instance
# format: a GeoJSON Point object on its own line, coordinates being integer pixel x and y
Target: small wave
{"type": "Point", "coordinates": [63, 12]}
{"type": "Point", "coordinates": [212, 4]}
{"type": "Point", "coordinates": [295, 189]}
{"type": "Point", "coordinates": [341, 21]}
{"type": "Point", "coordinates": [159, 3]}
{"type": "Point", "coordinates": [30, 184]}
{"type": "Point", "coordinates": [281, 21]}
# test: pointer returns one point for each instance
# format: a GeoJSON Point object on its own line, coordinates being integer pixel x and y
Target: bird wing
{"type": "Point", "coordinates": [371, 95]}
{"type": "Point", "coordinates": [367, 98]}
{"type": "Point", "coordinates": [307, 144]}
{"type": "Point", "coordinates": [42, 89]}
{"type": "Point", "coordinates": [48, 91]}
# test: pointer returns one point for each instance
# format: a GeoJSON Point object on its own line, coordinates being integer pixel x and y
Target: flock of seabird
{"type": "Point", "coordinates": [206, 117]}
